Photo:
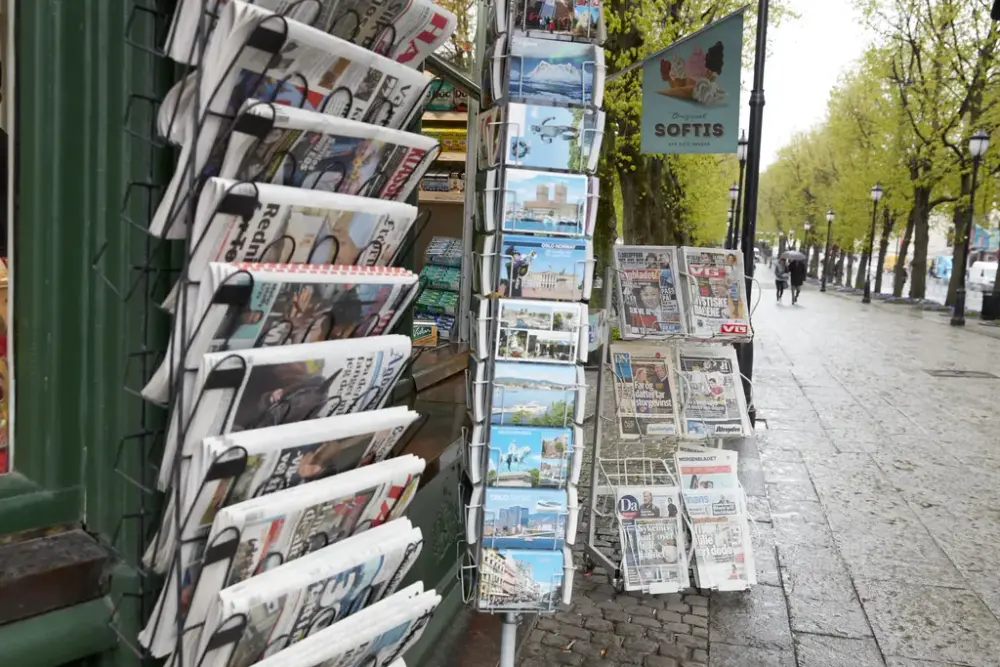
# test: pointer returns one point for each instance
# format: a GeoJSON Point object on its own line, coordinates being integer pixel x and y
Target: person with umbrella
{"type": "Point", "coordinates": [796, 271]}
{"type": "Point", "coordinates": [781, 277]}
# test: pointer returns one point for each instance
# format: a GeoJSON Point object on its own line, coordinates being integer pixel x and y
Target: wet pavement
{"type": "Point", "coordinates": [875, 489]}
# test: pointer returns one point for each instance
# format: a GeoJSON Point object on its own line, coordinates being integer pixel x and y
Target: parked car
{"type": "Point", "coordinates": [982, 276]}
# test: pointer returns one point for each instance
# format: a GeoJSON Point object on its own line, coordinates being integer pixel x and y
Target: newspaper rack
{"type": "Point", "coordinates": [633, 461]}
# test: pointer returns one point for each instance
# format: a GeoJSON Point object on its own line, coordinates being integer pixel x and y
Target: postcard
{"type": "Point", "coordinates": [558, 19]}
{"type": "Point", "coordinates": [545, 267]}
{"type": "Point", "coordinates": [527, 394]}
{"type": "Point", "coordinates": [544, 202]}
{"type": "Point", "coordinates": [520, 579]}
{"type": "Point", "coordinates": [524, 519]}
{"type": "Point", "coordinates": [544, 70]}
{"type": "Point", "coordinates": [543, 137]}
{"type": "Point", "coordinates": [529, 457]}
{"type": "Point", "coordinates": [542, 331]}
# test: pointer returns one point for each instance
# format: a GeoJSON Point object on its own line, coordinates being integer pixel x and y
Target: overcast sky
{"type": "Point", "coordinates": [805, 59]}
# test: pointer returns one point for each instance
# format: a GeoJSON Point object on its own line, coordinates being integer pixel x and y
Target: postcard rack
{"type": "Point", "coordinates": [154, 261]}
{"type": "Point", "coordinates": [644, 461]}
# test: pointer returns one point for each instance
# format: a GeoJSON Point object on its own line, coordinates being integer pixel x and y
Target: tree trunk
{"type": "Point", "coordinates": [883, 246]}
{"type": "Point", "coordinates": [606, 225]}
{"type": "Point", "coordinates": [850, 270]}
{"type": "Point", "coordinates": [814, 262]}
{"type": "Point", "coordinates": [921, 232]}
{"type": "Point", "coordinates": [838, 272]}
{"type": "Point", "coordinates": [961, 220]}
{"type": "Point", "coordinates": [650, 194]}
{"type": "Point", "coordinates": [859, 280]}
{"type": "Point", "coordinates": [899, 272]}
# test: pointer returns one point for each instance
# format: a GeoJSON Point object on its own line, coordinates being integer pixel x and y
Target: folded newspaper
{"type": "Point", "coordinates": [407, 32]}
{"type": "Point", "coordinates": [715, 298]}
{"type": "Point", "coordinates": [645, 390]}
{"type": "Point", "coordinates": [249, 389]}
{"type": "Point", "coordinates": [712, 402]}
{"type": "Point", "coordinates": [260, 534]}
{"type": "Point", "coordinates": [258, 617]}
{"type": "Point", "coordinates": [649, 303]}
{"type": "Point", "coordinates": [241, 305]}
{"type": "Point", "coordinates": [373, 637]}
{"type": "Point", "coordinates": [260, 222]}
{"type": "Point", "coordinates": [652, 537]}
{"type": "Point", "coordinates": [229, 469]}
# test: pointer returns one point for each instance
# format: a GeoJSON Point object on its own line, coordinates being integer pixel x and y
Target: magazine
{"type": "Point", "coordinates": [526, 394]}
{"type": "Point", "coordinates": [545, 71]}
{"type": "Point", "coordinates": [572, 20]}
{"type": "Point", "coordinates": [373, 637]}
{"type": "Point", "coordinates": [525, 519]}
{"type": "Point", "coordinates": [240, 306]}
{"type": "Point", "coordinates": [541, 331]}
{"type": "Point", "coordinates": [249, 389]}
{"type": "Point", "coordinates": [708, 469]}
{"type": "Point", "coordinates": [715, 293]}
{"type": "Point", "coordinates": [520, 579]}
{"type": "Point", "coordinates": [544, 202]}
{"type": "Point", "coordinates": [647, 291]}
{"type": "Point", "coordinates": [723, 552]}
{"type": "Point", "coordinates": [534, 136]}
{"type": "Point", "coordinates": [282, 606]}
{"type": "Point", "coordinates": [540, 267]}
{"type": "Point", "coordinates": [260, 534]}
{"type": "Point", "coordinates": [285, 145]}
{"type": "Point", "coordinates": [292, 226]}
{"type": "Point", "coordinates": [645, 391]}
{"type": "Point", "coordinates": [227, 470]}
{"type": "Point", "coordinates": [712, 403]}
{"type": "Point", "coordinates": [406, 32]}
{"type": "Point", "coordinates": [522, 457]}
{"type": "Point", "coordinates": [652, 537]}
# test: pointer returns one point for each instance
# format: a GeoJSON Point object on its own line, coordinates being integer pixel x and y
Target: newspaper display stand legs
{"type": "Point", "coordinates": [664, 491]}
{"type": "Point", "coordinates": [260, 74]}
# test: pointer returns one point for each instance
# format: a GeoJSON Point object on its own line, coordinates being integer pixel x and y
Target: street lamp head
{"type": "Point", "coordinates": [741, 147]}
{"type": "Point", "coordinates": [876, 192]}
{"type": "Point", "coordinates": [978, 144]}
{"type": "Point", "coordinates": [829, 216]}
{"type": "Point", "coordinates": [734, 192]}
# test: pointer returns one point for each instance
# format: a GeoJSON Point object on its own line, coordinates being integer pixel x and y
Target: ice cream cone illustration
{"type": "Point", "coordinates": [695, 78]}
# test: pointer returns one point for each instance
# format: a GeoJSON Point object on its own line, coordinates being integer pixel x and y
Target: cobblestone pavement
{"type": "Point", "coordinates": [875, 488]}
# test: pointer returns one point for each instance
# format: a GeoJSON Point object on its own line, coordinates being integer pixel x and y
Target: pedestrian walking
{"type": "Point", "coordinates": [781, 277]}
{"type": "Point", "coordinates": [797, 273]}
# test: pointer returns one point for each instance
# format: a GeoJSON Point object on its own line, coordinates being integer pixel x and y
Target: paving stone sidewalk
{"type": "Point", "coordinates": [875, 488]}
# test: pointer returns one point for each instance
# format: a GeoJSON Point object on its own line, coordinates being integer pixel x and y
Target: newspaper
{"type": "Point", "coordinates": [407, 32]}
{"type": "Point", "coordinates": [712, 401]}
{"type": "Point", "coordinates": [229, 469]}
{"type": "Point", "coordinates": [289, 603]}
{"type": "Point", "coordinates": [373, 637]}
{"type": "Point", "coordinates": [293, 226]}
{"type": "Point", "coordinates": [647, 291]}
{"type": "Point", "coordinates": [645, 391]}
{"type": "Point", "coordinates": [708, 469]}
{"type": "Point", "coordinates": [652, 538]}
{"type": "Point", "coordinates": [542, 331]}
{"type": "Point", "coordinates": [282, 304]}
{"type": "Point", "coordinates": [715, 293]}
{"type": "Point", "coordinates": [720, 532]}
{"type": "Point", "coordinates": [249, 389]}
{"type": "Point", "coordinates": [313, 72]}
{"type": "Point", "coordinates": [262, 534]}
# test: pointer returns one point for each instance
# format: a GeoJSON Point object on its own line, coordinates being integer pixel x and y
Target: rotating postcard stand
{"type": "Point", "coordinates": [635, 466]}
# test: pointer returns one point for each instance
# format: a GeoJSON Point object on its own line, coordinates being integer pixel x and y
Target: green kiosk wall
{"type": "Point", "coordinates": [76, 74]}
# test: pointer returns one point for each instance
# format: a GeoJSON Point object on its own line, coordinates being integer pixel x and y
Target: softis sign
{"type": "Point", "coordinates": [691, 92]}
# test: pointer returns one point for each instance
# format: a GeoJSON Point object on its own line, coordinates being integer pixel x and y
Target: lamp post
{"type": "Point", "coordinates": [826, 251]}
{"type": "Point", "coordinates": [978, 144]}
{"type": "Point", "coordinates": [741, 153]}
{"type": "Point", "coordinates": [876, 195]}
{"type": "Point", "coordinates": [729, 228]}
{"type": "Point", "coordinates": [734, 194]}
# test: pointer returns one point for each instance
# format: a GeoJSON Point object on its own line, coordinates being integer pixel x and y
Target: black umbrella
{"type": "Point", "coordinates": [793, 256]}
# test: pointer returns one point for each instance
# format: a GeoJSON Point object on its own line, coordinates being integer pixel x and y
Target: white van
{"type": "Point", "coordinates": [982, 276]}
